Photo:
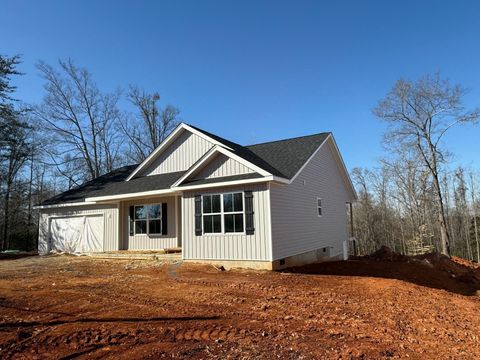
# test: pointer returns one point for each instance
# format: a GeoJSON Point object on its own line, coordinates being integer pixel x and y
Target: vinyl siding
{"type": "Point", "coordinates": [145, 241]}
{"type": "Point", "coordinates": [229, 246]}
{"type": "Point", "coordinates": [179, 155]}
{"type": "Point", "coordinates": [221, 166]}
{"type": "Point", "coordinates": [296, 227]}
{"type": "Point", "coordinates": [110, 221]}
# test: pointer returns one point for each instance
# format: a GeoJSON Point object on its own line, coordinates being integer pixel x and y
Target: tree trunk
{"type": "Point", "coordinates": [444, 238]}
{"type": "Point", "coordinates": [6, 217]}
{"type": "Point", "coordinates": [30, 192]}
{"type": "Point", "coordinates": [475, 219]}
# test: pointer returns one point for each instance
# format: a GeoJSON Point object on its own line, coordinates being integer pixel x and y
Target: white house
{"type": "Point", "coordinates": [268, 205]}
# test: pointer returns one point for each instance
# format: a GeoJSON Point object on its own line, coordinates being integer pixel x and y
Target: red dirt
{"type": "Point", "coordinates": [67, 307]}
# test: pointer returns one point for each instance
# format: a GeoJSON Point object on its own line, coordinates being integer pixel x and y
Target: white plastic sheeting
{"type": "Point", "coordinates": [76, 234]}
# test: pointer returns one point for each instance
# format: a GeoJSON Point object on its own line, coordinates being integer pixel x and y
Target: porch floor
{"type": "Point", "coordinates": [168, 255]}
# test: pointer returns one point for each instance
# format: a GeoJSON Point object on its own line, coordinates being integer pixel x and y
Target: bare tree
{"type": "Point", "coordinates": [14, 142]}
{"type": "Point", "coordinates": [474, 213]}
{"type": "Point", "coordinates": [79, 122]}
{"type": "Point", "coordinates": [419, 115]}
{"type": "Point", "coordinates": [152, 124]}
{"type": "Point", "coordinates": [14, 152]}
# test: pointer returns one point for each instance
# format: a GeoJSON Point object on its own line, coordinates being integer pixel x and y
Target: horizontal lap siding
{"type": "Point", "coordinates": [150, 242]}
{"type": "Point", "coordinates": [222, 166]}
{"type": "Point", "coordinates": [180, 155]}
{"type": "Point", "coordinates": [296, 227]}
{"type": "Point", "coordinates": [109, 212]}
{"type": "Point", "coordinates": [228, 246]}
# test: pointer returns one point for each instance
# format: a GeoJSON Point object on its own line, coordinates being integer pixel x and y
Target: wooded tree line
{"type": "Point", "coordinates": [413, 201]}
{"type": "Point", "coordinates": [76, 133]}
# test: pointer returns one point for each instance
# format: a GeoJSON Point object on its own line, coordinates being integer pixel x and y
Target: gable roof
{"type": "Point", "coordinates": [283, 159]}
{"type": "Point", "coordinates": [114, 183]}
{"type": "Point", "coordinates": [289, 155]}
{"type": "Point", "coordinates": [241, 151]}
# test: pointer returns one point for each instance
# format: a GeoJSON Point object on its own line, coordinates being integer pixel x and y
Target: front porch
{"type": "Point", "coordinates": [167, 255]}
{"type": "Point", "coordinates": [150, 224]}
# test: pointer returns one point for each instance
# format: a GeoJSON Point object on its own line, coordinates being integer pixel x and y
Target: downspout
{"type": "Point", "coordinates": [352, 230]}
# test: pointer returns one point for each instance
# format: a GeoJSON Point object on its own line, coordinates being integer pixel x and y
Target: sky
{"type": "Point", "coordinates": [255, 71]}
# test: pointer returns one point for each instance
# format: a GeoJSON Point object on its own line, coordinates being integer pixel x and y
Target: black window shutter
{"type": "Point", "coordinates": [164, 219]}
{"type": "Point", "coordinates": [131, 223]}
{"type": "Point", "coordinates": [249, 227]}
{"type": "Point", "coordinates": [198, 215]}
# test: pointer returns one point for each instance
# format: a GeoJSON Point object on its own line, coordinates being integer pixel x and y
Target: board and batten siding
{"type": "Point", "coordinates": [229, 246]}
{"type": "Point", "coordinates": [110, 223]}
{"type": "Point", "coordinates": [145, 241]}
{"type": "Point", "coordinates": [296, 226]}
{"type": "Point", "coordinates": [221, 166]}
{"type": "Point", "coordinates": [180, 155]}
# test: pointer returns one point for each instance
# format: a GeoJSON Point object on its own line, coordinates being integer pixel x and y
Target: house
{"type": "Point", "coordinates": [266, 206]}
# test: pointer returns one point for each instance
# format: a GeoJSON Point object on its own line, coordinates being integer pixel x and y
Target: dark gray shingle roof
{"type": "Point", "coordinates": [281, 158]}
{"type": "Point", "coordinates": [114, 183]}
{"type": "Point", "coordinates": [288, 156]}
{"type": "Point", "coordinates": [243, 152]}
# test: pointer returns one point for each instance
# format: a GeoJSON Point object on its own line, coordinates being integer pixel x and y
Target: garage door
{"type": "Point", "coordinates": [76, 234]}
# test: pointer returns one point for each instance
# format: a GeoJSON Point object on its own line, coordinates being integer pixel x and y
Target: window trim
{"type": "Point", "coordinates": [147, 233]}
{"type": "Point", "coordinates": [319, 207]}
{"type": "Point", "coordinates": [222, 214]}
{"type": "Point", "coordinates": [213, 214]}
{"type": "Point", "coordinates": [233, 212]}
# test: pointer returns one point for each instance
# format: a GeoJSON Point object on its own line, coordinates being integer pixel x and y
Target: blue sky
{"type": "Point", "coordinates": [254, 71]}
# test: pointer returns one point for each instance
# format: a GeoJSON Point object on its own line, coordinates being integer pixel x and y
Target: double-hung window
{"type": "Point", "coordinates": [148, 219]}
{"type": "Point", "coordinates": [155, 219]}
{"type": "Point", "coordinates": [223, 213]}
{"type": "Point", "coordinates": [319, 207]}
{"type": "Point", "coordinates": [233, 212]}
{"type": "Point", "coordinates": [212, 214]}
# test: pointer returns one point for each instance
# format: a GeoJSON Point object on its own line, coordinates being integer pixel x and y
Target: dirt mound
{"type": "Point", "coordinates": [467, 263]}
{"type": "Point", "coordinates": [433, 270]}
{"type": "Point", "coordinates": [460, 269]}
{"type": "Point", "coordinates": [387, 254]}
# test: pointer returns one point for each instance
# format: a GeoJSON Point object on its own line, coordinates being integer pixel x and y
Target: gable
{"type": "Point", "coordinates": [180, 155]}
{"type": "Point", "coordinates": [326, 165]}
{"type": "Point", "coordinates": [289, 155]}
{"type": "Point", "coordinates": [221, 166]}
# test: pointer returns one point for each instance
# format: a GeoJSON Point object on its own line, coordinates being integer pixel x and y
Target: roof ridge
{"type": "Point", "coordinates": [208, 133]}
{"type": "Point", "coordinates": [286, 139]}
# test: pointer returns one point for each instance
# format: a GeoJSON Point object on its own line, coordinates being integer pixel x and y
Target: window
{"type": "Point", "coordinates": [223, 213]}
{"type": "Point", "coordinates": [212, 218]}
{"type": "Point", "coordinates": [319, 207]}
{"type": "Point", "coordinates": [148, 219]}
{"type": "Point", "coordinates": [140, 220]}
{"type": "Point", "coordinates": [233, 212]}
{"type": "Point", "coordinates": [155, 219]}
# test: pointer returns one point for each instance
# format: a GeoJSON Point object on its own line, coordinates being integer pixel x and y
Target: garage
{"type": "Point", "coordinates": [76, 234]}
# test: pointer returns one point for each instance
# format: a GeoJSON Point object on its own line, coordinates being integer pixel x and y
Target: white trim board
{"type": "Point", "coordinates": [345, 171]}
{"type": "Point", "coordinates": [226, 183]}
{"type": "Point", "coordinates": [338, 160]}
{"type": "Point", "coordinates": [179, 189]}
{"type": "Point", "coordinates": [210, 154]}
{"type": "Point", "coordinates": [133, 195]}
{"type": "Point", "coordinates": [169, 139]}
{"type": "Point", "coordinates": [41, 207]}
{"type": "Point", "coordinates": [309, 159]}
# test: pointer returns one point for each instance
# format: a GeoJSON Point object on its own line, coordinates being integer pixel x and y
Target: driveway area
{"type": "Point", "coordinates": [75, 307]}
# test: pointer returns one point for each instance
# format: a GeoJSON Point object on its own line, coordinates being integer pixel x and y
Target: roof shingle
{"type": "Point", "coordinates": [282, 158]}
